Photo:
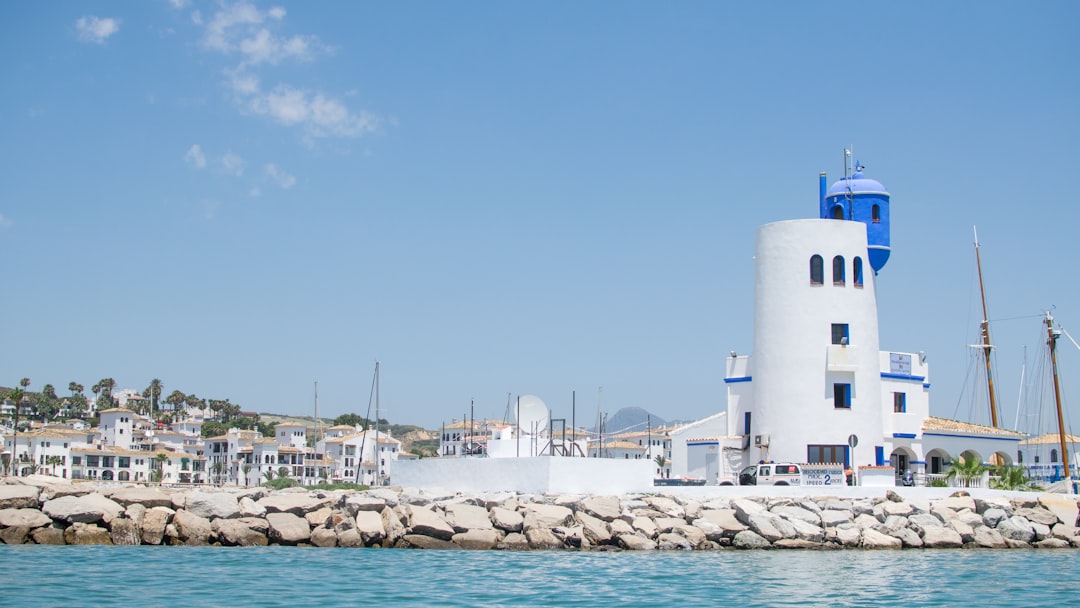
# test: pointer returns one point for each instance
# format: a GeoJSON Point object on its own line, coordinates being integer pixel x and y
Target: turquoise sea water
{"type": "Point", "coordinates": [43, 576]}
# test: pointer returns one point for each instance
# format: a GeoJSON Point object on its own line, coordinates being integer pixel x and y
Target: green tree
{"type": "Point", "coordinates": [282, 472]}
{"type": "Point", "coordinates": [192, 402]}
{"type": "Point", "coordinates": [153, 393]}
{"type": "Point", "coordinates": [24, 383]}
{"type": "Point", "coordinates": [49, 391]}
{"type": "Point", "coordinates": [214, 429]}
{"type": "Point", "coordinates": [218, 468]}
{"type": "Point", "coordinates": [177, 400]}
{"type": "Point", "coordinates": [246, 468]}
{"type": "Point", "coordinates": [1010, 478]}
{"type": "Point", "coordinates": [53, 461]}
{"type": "Point", "coordinates": [16, 396]}
{"type": "Point", "coordinates": [962, 470]}
{"type": "Point", "coordinates": [269, 475]}
{"type": "Point", "coordinates": [351, 420]}
{"type": "Point", "coordinates": [159, 466]}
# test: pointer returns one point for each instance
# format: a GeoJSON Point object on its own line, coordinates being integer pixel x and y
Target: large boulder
{"type": "Point", "coordinates": [872, 539]}
{"type": "Point", "coordinates": [428, 523]}
{"type": "Point", "coordinates": [190, 528]}
{"type": "Point", "coordinates": [476, 539]}
{"type": "Point", "coordinates": [322, 536]}
{"type": "Point", "coordinates": [594, 528]}
{"type": "Point", "coordinates": [147, 497]}
{"type": "Point", "coordinates": [506, 519]}
{"type": "Point", "coordinates": [90, 508]}
{"type": "Point", "coordinates": [942, 538]}
{"type": "Point", "coordinates": [293, 502]}
{"type": "Point", "coordinates": [392, 526]}
{"type": "Point", "coordinates": [239, 533]}
{"type": "Point", "coordinates": [635, 542]}
{"type": "Point", "coordinates": [16, 535]}
{"type": "Point", "coordinates": [49, 535]}
{"type": "Point", "coordinates": [369, 525]}
{"type": "Point", "coordinates": [364, 502]}
{"type": "Point", "coordinates": [154, 522]}
{"type": "Point", "coordinates": [26, 518]}
{"type": "Point", "coordinates": [1016, 528]}
{"type": "Point", "coordinates": [726, 519]}
{"type": "Point", "coordinates": [463, 517]}
{"type": "Point", "coordinates": [606, 508]}
{"type": "Point", "coordinates": [748, 539]}
{"type": "Point", "coordinates": [287, 528]}
{"type": "Point", "coordinates": [125, 532]}
{"type": "Point", "coordinates": [546, 516]}
{"type": "Point", "coordinates": [213, 505]}
{"type": "Point", "coordinates": [80, 533]}
{"type": "Point", "coordinates": [18, 497]}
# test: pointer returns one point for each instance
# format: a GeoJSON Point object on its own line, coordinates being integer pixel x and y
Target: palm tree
{"type": "Point", "coordinates": [176, 399]}
{"type": "Point", "coordinates": [963, 470]}
{"type": "Point", "coordinates": [24, 383]}
{"type": "Point", "coordinates": [217, 469]}
{"type": "Point", "coordinates": [153, 393]}
{"type": "Point", "coordinates": [72, 386]}
{"type": "Point", "coordinates": [107, 385]}
{"type": "Point", "coordinates": [246, 469]}
{"type": "Point", "coordinates": [283, 472]}
{"type": "Point", "coordinates": [160, 459]}
{"type": "Point", "coordinates": [16, 395]}
{"type": "Point", "coordinates": [1010, 478]}
{"type": "Point", "coordinates": [49, 391]}
{"type": "Point", "coordinates": [54, 460]}
{"type": "Point", "coordinates": [269, 475]}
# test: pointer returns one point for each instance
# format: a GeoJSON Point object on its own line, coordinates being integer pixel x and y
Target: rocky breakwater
{"type": "Point", "coordinates": [44, 511]}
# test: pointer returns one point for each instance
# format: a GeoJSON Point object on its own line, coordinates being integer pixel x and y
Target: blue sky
{"type": "Point", "coordinates": [492, 198]}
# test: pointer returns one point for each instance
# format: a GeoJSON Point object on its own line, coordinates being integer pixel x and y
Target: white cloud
{"type": "Point", "coordinates": [255, 192]}
{"type": "Point", "coordinates": [4, 222]}
{"type": "Point", "coordinates": [322, 116]}
{"type": "Point", "coordinates": [283, 179]}
{"type": "Point", "coordinates": [233, 164]}
{"type": "Point", "coordinates": [95, 29]}
{"type": "Point", "coordinates": [238, 28]}
{"type": "Point", "coordinates": [178, 4]}
{"type": "Point", "coordinates": [195, 157]}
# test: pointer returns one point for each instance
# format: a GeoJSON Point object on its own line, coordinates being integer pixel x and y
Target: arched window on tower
{"type": "Point", "coordinates": [858, 272]}
{"type": "Point", "coordinates": [837, 212]}
{"type": "Point", "coordinates": [817, 270]}
{"type": "Point", "coordinates": [875, 214]}
{"type": "Point", "coordinates": [838, 270]}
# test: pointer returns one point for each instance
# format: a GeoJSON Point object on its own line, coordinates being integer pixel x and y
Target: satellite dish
{"type": "Point", "coordinates": [532, 414]}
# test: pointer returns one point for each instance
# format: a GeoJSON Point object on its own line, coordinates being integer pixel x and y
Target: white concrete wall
{"type": "Point", "coordinates": [793, 373]}
{"type": "Point", "coordinates": [531, 475]}
{"type": "Point", "coordinates": [712, 426]}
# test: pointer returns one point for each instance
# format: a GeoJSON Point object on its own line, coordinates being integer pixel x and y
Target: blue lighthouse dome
{"type": "Point", "coordinates": [861, 199]}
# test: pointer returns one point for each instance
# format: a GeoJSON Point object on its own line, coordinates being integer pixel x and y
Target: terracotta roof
{"type": "Point", "coordinates": [1050, 439]}
{"type": "Point", "coordinates": [114, 410]}
{"type": "Point", "coordinates": [933, 423]}
{"type": "Point", "coordinates": [621, 445]}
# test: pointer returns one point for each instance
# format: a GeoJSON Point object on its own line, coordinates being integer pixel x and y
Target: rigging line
{"type": "Point", "coordinates": [1016, 318]}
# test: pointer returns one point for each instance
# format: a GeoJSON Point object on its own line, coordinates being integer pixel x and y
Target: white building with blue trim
{"type": "Point", "coordinates": [818, 388]}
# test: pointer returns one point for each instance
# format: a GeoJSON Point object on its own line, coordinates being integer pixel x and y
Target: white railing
{"type": "Point", "coordinates": [958, 481]}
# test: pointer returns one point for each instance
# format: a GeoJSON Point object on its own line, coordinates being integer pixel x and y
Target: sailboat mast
{"type": "Point", "coordinates": [378, 471]}
{"type": "Point", "coordinates": [1051, 340]}
{"type": "Point", "coordinates": [986, 347]}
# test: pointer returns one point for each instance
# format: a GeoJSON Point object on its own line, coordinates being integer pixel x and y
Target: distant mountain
{"type": "Point", "coordinates": [632, 419]}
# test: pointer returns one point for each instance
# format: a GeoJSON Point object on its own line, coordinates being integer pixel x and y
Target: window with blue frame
{"type": "Point", "coordinates": [842, 395]}
{"type": "Point", "coordinates": [817, 270]}
{"type": "Point", "coordinates": [838, 277]}
{"type": "Point", "coordinates": [858, 272]}
{"type": "Point", "coordinates": [899, 403]}
{"type": "Point", "coordinates": [840, 333]}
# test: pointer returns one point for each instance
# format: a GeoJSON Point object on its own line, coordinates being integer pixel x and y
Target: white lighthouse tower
{"type": "Point", "coordinates": [813, 386]}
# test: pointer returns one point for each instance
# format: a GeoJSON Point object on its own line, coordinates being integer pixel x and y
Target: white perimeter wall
{"type": "Point", "coordinates": [542, 474]}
